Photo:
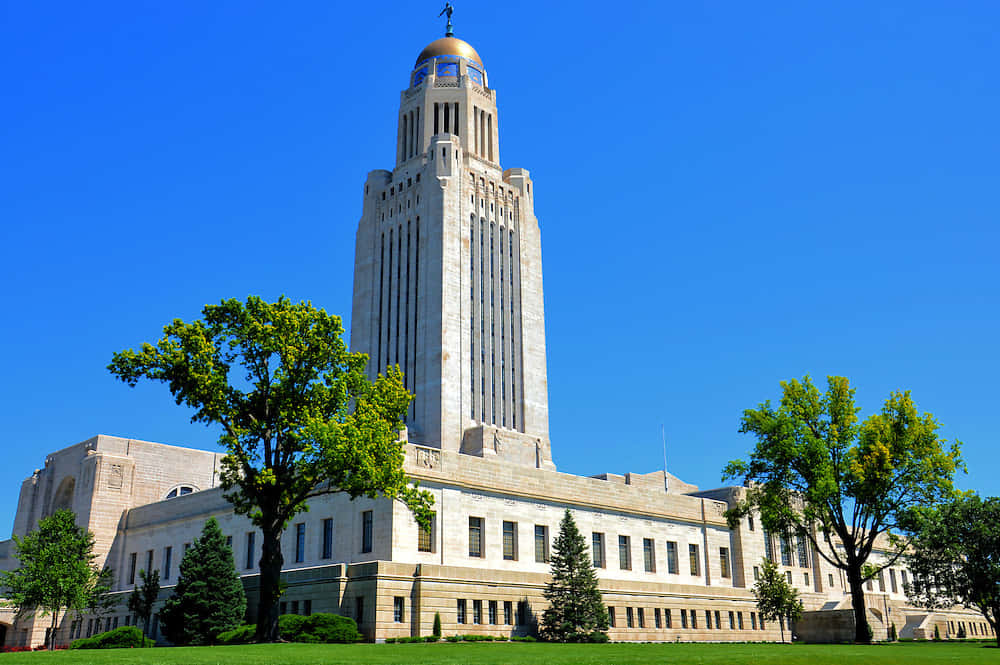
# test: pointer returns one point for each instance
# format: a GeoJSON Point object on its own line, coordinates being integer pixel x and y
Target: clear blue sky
{"type": "Point", "coordinates": [730, 194]}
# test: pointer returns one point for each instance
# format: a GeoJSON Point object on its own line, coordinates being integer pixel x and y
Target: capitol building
{"type": "Point", "coordinates": [448, 285]}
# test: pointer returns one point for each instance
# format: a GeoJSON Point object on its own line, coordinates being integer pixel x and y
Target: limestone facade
{"type": "Point", "coordinates": [448, 286]}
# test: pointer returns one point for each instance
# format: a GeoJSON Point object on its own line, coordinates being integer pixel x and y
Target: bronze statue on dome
{"type": "Point", "coordinates": [448, 9]}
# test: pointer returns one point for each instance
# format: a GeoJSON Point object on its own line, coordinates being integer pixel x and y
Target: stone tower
{"type": "Point", "coordinates": [447, 269]}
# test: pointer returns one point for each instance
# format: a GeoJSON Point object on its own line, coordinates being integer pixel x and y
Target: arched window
{"type": "Point", "coordinates": [181, 490]}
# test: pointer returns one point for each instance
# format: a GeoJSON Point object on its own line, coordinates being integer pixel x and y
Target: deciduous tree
{"type": "Point", "coordinates": [776, 598]}
{"type": "Point", "coordinates": [209, 597]}
{"type": "Point", "coordinates": [298, 415]}
{"type": "Point", "coordinates": [955, 556]}
{"type": "Point", "coordinates": [56, 571]}
{"type": "Point", "coordinates": [818, 472]}
{"type": "Point", "coordinates": [576, 612]}
{"type": "Point", "coordinates": [140, 602]}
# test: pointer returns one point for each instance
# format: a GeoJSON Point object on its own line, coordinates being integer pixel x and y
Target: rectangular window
{"type": "Point", "coordinates": [672, 566]}
{"type": "Point", "coordinates": [282, 608]}
{"type": "Point", "coordinates": [300, 542]}
{"type": "Point", "coordinates": [397, 609]}
{"type": "Point", "coordinates": [768, 546]}
{"type": "Point", "coordinates": [718, 620]}
{"type": "Point", "coordinates": [522, 612]}
{"type": "Point", "coordinates": [788, 577]}
{"type": "Point", "coordinates": [684, 619]}
{"type": "Point", "coordinates": [693, 558]}
{"type": "Point", "coordinates": [648, 558]}
{"type": "Point", "coordinates": [732, 621]}
{"type": "Point", "coordinates": [367, 527]}
{"type": "Point", "coordinates": [359, 609]}
{"type": "Point", "coordinates": [477, 612]}
{"type": "Point", "coordinates": [831, 579]}
{"type": "Point", "coordinates": [708, 619]}
{"type": "Point", "coordinates": [641, 616]}
{"type": "Point", "coordinates": [597, 549]}
{"type": "Point", "coordinates": [476, 536]}
{"type": "Point", "coordinates": [611, 616]}
{"type": "Point", "coordinates": [803, 552]}
{"type": "Point", "coordinates": [669, 619]}
{"type": "Point", "coordinates": [739, 619]}
{"type": "Point", "coordinates": [307, 606]}
{"type": "Point", "coordinates": [510, 541]}
{"type": "Point", "coordinates": [724, 561]}
{"type": "Point", "coordinates": [892, 580]}
{"type": "Point", "coordinates": [493, 612]}
{"type": "Point", "coordinates": [750, 521]}
{"type": "Point", "coordinates": [131, 568]}
{"type": "Point", "coordinates": [805, 578]}
{"type": "Point", "coordinates": [425, 537]}
{"type": "Point", "coordinates": [756, 573]}
{"type": "Point", "coordinates": [250, 556]}
{"type": "Point", "coordinates": [629, 618]}
{"type": "Point", "coordinates": [229, 542]}
{"type": "Point", "coordinates": [327, 552]}
{"type": "Point", "coordinates": [149, 562]}
{"type": "Point", "coordinates": [295, 607]}
{"type": "Point", "coordinates": [167, 556]}
{"type": "Point", "coordinates": [694, 618]}
{"type": "Point", "coordinates": [624, 552]}
{"type": "Point", "coordinates": [786, 554]}
{"type": "Point", "coordinates": [187, 546]}
{"type": "Point", "coordinates": [657, 620]}
{"type": "Point", "coordinates": [508, 611]}
{"type": "Point", "coordinates": [761, 621]}
{"type": "Point", "coordinates": [902, 578]}
{"type": "Point", "coordinates": [541, 543]}
{"type": "Point", "coordinates": [881, 582]}
{"type": "Point", "coordinates": [753, 621]}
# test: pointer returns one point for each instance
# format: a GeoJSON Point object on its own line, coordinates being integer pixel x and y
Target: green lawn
{"type": "Point", "coordinates": [542, 654]}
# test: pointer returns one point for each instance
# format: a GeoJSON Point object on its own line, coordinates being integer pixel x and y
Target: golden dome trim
{"type": "Point", "coordinates": [449, 46]}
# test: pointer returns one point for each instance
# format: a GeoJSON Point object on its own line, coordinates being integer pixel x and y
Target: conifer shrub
{"type": "Point", "coordinates": [436, 630]}
{"type": "Point", "coordinates": [245, 634]}
{"type": "Point", "coordinates": [319, 628]}
{"type": "Point", "coordinates": [125, 637]}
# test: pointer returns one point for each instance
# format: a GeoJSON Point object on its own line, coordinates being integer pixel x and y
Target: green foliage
{"type": "Point", "coordinates": [209, 597]}
{"type": "Point", "coordinates": [892, 632]}
{"type": "Point", "coordinates": [126, 637]}
{"type": "Point", "coordinates": [436, 630]}
{"type": "Point", "coordinates": [937, 633]}
{"type": "Point", "coordinates": [298, 414]}
{"type": "Point", "coordinates": [955, 556]}
{"type": "Point", "coordinates": [245, 634]}
{"type": "Point", "coordinates": [454, 638]}
{"type": "Point", "coordinates": [143, 596]}
{"type": "Point", "coordinates": [776, 599]}
{"type": "Point", "coordinates": [818, 472]}
{"type": "Point", "coordinates": [56, 570]}
{"type": "Point", "coordinates": [576, 610]}
{"type": "Point", "coordinates": [320, 628]}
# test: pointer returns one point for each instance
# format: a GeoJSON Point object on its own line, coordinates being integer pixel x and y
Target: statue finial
{"type": "Point", "coordinates": [448, 9]}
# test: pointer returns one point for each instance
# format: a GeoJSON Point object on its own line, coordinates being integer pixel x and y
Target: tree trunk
{"type": "Point", "coordinates": [861, 634]}
{"type": "Point", "coordinates": [52, 631]}
{"type": "Point", "coordinates": [271, 562]}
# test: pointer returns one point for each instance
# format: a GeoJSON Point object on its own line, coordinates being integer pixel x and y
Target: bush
{"type": "Point", "coordinates": [245, 634]}
{"type": "Point", "coordinates": [436, 630]}
{"type": "Point", "coordinates": [892, 632]}
{"type": "Point", "coordinates": [318, 629]}
{"type": "Point", "coordinates": [525, 638]}
{"type": "Point", "coordinates": [454, 638]}
{"type": "Point", "coordinates": [937, 633]}
{"type": "Point", "coordinates": [597, 638]}
{"type": "Point", "coordinates": [432, 638]}
{"type": "Point", "coordinates": [125, 637]}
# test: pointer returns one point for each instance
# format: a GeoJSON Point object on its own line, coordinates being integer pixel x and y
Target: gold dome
{"type": "Point", "coordinates": [449, 46]}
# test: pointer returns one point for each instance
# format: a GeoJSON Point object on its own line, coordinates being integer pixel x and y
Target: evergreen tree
{"type": "Point", "coordinates": [209, 597]}
{"type": "Point", "coordinates": [576, 612]}
{"type": "Point", "coordinates": [143, 596]}
{"type": "Point", "coordinates": [776, 598]}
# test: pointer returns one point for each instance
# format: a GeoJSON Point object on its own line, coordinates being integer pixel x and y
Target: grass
{"type": "Point", "coordinates": [911, 653]}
